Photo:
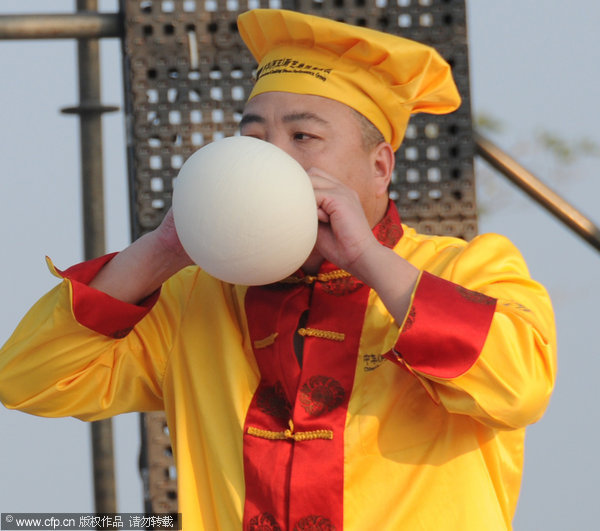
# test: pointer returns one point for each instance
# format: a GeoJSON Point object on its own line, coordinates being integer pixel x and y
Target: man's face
{"type": "Point", "coordinates": [319, 133]}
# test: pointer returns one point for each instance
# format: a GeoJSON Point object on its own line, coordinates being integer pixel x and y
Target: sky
{"type": "Point", "coordinates": [534, 70]}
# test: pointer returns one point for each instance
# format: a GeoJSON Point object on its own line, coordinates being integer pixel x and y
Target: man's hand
{"type": "Point", "coordinates": [346, 239]}
{"type": "Point", "coordinates": [167, 239]}
{"type": "Point", "coordinates": [344, 234]}
{"type": "Point", "coordinates": [141, 268]}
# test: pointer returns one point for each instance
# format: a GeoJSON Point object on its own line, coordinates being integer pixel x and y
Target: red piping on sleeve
{"type": "Point", "coordinates": [445, 330]}
{"type": "Point", "coordinates": [97, 310]}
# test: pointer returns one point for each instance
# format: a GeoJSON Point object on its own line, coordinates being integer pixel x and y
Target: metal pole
{"type": "Point", "coordinates": [90, 112]}
{"type": "Point", "coordinates": [61, 26]}
{"type": "Point", "coordinates": [537, 190]}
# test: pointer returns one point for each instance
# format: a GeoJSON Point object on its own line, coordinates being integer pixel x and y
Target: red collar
{"type": "Point", "coordinates": [389, 230]}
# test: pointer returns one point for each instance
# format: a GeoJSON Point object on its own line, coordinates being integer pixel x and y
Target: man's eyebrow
{"type": "Point", "coordinates": [251, 119]}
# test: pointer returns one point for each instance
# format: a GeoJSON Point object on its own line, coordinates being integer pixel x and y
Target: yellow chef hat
{"type": "Point", "coordinates": [384, 77]}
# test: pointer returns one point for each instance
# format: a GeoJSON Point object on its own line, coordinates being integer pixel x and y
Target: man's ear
{"type": "Point", "coordinates": [383, 164]}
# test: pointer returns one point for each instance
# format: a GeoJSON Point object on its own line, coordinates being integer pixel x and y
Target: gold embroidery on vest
{"type": "Point", "coordinates": [321, 277]}
{"type": "Point", "coordinates": [267, 341]}
{"type": "Point", "coordinates": [289, 434]}
{"type": "Point", "coordinates": [323, 334]}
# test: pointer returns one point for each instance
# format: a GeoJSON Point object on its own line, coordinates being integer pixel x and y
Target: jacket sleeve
{"type": "Point", "coordinates": [480, 335]}
{"type": "Point", "coordinates": [79, 352]}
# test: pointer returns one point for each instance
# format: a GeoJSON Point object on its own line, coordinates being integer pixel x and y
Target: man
{"type": "Point", "coordinates": [386, 385]}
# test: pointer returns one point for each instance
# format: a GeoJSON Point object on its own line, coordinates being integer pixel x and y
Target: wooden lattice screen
{"type": "Point", "coordinates": [187, 75]}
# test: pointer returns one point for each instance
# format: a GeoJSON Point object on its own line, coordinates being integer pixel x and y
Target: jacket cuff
{"type": "Point", "coordinates": [445, 329]}
{"type": "Point", "coordinates": [95, 309]}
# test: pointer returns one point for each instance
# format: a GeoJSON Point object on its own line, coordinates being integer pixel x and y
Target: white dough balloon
{"type": "Point", "coordinates": [245, 211]}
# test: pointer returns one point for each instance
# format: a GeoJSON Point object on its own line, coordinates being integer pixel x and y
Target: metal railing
{"type": "Point", "coordinates": [84, 24]}
{"type": "Point", "coordinates": [87, 26]}
{"type": "Point", "coordinates": [537, 190]}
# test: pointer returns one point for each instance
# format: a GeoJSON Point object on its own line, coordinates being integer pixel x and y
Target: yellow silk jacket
{"type": "Point", "coordinates": [416, 425]}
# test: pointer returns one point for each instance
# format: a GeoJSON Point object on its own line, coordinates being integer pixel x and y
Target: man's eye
{"type": "Point", "coordinates": [302, 136]}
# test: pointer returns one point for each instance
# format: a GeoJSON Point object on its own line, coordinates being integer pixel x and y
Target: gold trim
{"type": "Point", "coordinates": [321, 277]}
{"type": "Point", "coordinates": [322, 334]}
{"type": "Point", "coordinates": [267, 341]}
{"type": "Point", "coordinates": [289, 434]}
